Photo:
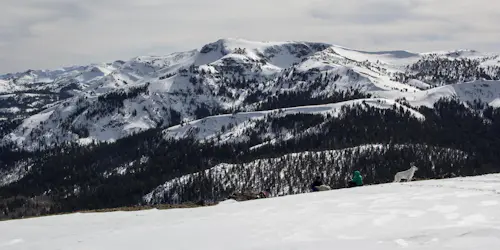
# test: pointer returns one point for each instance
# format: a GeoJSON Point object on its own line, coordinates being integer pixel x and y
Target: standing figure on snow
{"type": "Point", "coordinates": [357, 180]}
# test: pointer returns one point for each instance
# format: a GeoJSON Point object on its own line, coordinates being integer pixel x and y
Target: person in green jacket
{"type": "Point", "coordinates": [357, 180]}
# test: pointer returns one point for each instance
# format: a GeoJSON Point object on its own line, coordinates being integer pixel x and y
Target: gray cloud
{"type": "Point", "coordinates": [19, 16]}
{"type": "Point", "coordinates": [53, 33]}
{"type": "Point", "coordinates": [364, 12]}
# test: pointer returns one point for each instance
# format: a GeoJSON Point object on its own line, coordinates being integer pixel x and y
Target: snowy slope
{"type": "Point", "coordinates": [14, 174]}
{"type": "Point", "coordinates": [460, 213]}
{"type": "Point", "coordinates": [76, 77]}
{"type": "Point", "coordinates": [105, 102]}
{"type": "Point", "coordinates": [487, 91]}
{"type": "Point", "coordinates": [211, 127]}
{"type": "Point", "coordinates": [5, 86]}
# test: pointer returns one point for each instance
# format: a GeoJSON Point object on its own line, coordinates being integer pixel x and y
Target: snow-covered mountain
{"type": "Point", "coordinates": [105, 102]}
{"type": "Point", "coordinates": [458, 213]}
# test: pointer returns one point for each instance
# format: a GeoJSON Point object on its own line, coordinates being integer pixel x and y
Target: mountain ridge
{"type": "Point", "coordinates": [108, 101]}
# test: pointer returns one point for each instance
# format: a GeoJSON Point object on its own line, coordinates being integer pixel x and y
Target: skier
{"type": "Point", "coordinates": [357, 180]}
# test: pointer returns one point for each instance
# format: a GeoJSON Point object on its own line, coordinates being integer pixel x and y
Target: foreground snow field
{"type": "Point", "coordinates": [460, 213]}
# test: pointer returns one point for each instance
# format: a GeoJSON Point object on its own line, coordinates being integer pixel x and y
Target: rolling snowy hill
{"type": "Point", "coordinates": [459, 213]}
{"type": "Point", "coordinates": [105, 102]}
{"type": "Point", "coordinates": [486, 91]}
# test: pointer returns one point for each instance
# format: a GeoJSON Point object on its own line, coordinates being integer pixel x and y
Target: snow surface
{"type": "Point", "coordinates": [4, 86]}
{"type": "Point", "coordinates": [418, 84]}
{"type": "Point", "coordinates": [487, 91]}
{"type": "Point", "coordinates": [459, 213]}
{"type": "Point", "coordinates": [396, 57]}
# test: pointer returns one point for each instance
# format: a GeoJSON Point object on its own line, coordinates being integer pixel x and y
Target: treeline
{"type": "Point", "coordinates": [114, 100]}
{"type": "Point", "coordinates": [449, 124]}
{"type": "Point", "coordinates": [293, 173]}
{"type": "Point", "coordinates": [441, 71]}
{"type": "Point", "coordinates": [304, 98]}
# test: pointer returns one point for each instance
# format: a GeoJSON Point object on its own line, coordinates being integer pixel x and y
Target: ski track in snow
{"type": "Point", "coordinates": [418, 215]}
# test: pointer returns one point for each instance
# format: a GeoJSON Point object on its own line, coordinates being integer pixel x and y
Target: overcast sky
{"type": "Point", "coordinates": [38, 34]}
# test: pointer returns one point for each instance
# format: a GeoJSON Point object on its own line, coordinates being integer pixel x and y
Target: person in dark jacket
{"type": "Point", "coordinates": [265, 194]}
{"type": "Point", "coordinates": [317, 182]}
{"type": "Point", "coordinates": [357, 180]}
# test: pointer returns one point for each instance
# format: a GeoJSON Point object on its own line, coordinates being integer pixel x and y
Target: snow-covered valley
{"type": "Point", "coordinates": [458, 213]}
